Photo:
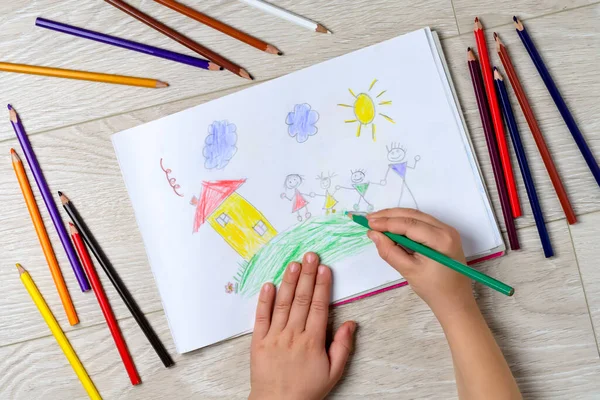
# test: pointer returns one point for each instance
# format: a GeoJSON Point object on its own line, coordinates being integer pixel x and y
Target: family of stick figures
{"type": "Point", "coordinates": [358, 183]}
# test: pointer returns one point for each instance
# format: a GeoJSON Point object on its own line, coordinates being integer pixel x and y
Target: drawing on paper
{"type": "Point", "coordinates": [396, 155]}
{"type": "Point", "coordinates": [237, 221]}
{"type": "Point", "coordinates": [333, 238]}
{"type": "Point", "coordinates": [302, 122]}
{"type": "Point", "coordinates": [220, 144]}
{"type": "Point", "coordinates": [365, 108]}
{"type": "Point", "coordinates": [360, 185]}
{"type": "Point", "coordinates": [299, 203]}
{"type": "Point", "coordinates": [230, 288]}
{"type": "Point", "coordinates": [172, 181]}
{"type": "Point", "coordinates": [330, 201]}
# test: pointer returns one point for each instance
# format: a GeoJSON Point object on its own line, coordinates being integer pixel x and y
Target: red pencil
{"type": "Point", "coordinates": [104, 305]}
{"type": "Point", "coordinates": [488, 80]}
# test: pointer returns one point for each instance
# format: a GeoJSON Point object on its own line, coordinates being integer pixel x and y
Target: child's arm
{"type": "Point", "coordinates": [480, 368]}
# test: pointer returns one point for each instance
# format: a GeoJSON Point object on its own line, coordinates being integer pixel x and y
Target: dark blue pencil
{"type": "Point", "coordinates": [126, 44]}
{"type": "Point", "coordinates": [509, 118]}
{"type": "Point", "coordinates": [558, 100]}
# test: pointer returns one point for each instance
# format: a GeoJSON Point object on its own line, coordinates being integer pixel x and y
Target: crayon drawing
{"type": "Point", "coordinates": [360, 185]}
{"type": "Point", "coordinates": [237, 221]}
{"type": "Point", "coordinates": [302, 122]}
{"type": "Point", "coordinates": [172, 181]}
{"type": "Point", "coordinates": [333, 238]}
{"type": "Point", "coordinates": [220, 144]}
{"type": "Point", "coordinates": [396, 155]}
{"type": "Point", "coordinates": [330, 201]}
{"type": "Point", "coordinates": [292, 183]}
{"type": "Point", "coordinates": [365, 108]}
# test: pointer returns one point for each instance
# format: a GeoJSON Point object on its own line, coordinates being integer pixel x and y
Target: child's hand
{"type": "Point", "coordinates": [289, 359]}
{"type": "Point", "coordinates": [443, 289]}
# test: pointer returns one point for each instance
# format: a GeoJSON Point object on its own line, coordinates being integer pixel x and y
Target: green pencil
{"type": "Point", "coordinates": [442, 259]}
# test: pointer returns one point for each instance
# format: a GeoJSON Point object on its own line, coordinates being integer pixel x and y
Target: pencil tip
{"type": "Point", "coordinates": [10, 107]}
{"type": "Point", "coordinates": [476, 19]}
{"type": "Point", "coordinates": [72, 228]}
{"type": "Point", "coordinates": [468, 49]}
{"type": "Point", "coordinates": [515, 18]}
{"type": "Point", "coordinates": [221, 69]}
{"type": "Point", "coordinates": [60, 193]}
{"type": "Point", "coordinates": [20, 268]}
{"type": "Point", "coordinates": [495, 35]}
{"type": "Point", "coordinates": [279, 53]}
{"type": "Point", "coordinates": [495, 68]}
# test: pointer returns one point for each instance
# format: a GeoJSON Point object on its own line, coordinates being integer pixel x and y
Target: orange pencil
{"type": "Point", "coordinates": [40, 229]}
{"type": "Point", "coordinates": [488, 80]}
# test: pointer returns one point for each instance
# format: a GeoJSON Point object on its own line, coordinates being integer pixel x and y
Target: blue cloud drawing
{"type": "Point", "coordinates": [301, 122]}
{"type": "Point", "coordinates": [219, 145]}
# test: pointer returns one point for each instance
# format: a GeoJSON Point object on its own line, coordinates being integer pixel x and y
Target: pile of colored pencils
{"type": "Point", "coordinates": [494, 106]}
{"type": "Point", "coordinates": [211, 60]}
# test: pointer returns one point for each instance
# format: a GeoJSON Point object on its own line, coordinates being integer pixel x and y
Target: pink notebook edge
{"type": "Point", "coordinates": [405, 283]}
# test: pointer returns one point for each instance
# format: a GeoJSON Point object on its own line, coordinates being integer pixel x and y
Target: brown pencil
{"type": "Point", "coordinates": [220, 26]}
{"type": "Point", "coordinates": [178, 37]}
{"type": "Point", "coordinates": [535, 130]}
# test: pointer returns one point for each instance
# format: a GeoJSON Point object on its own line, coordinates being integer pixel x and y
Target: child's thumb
{"type": "Point", "coordinates": [340, 349]}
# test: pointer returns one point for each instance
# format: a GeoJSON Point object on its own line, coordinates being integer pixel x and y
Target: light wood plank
{"type": "Point", "coordinates": [50, 103]}
{"type": "Point", "coordinates": [578, 82]}
{"type": "Point", "coordinates": [401, 352]}
{"type": "Point", "coordinates": [585, 238]}
{"type": "Point", "coordinates": [495, 13]}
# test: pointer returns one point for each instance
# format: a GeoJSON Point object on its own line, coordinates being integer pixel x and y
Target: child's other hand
{"type": "Point", "coordinates": [443, 289]}
{"type": "Point", "coordinates": [288, 357]}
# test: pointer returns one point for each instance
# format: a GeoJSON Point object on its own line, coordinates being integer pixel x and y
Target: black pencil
{"type": "Point", "coordinates": [116, 281]}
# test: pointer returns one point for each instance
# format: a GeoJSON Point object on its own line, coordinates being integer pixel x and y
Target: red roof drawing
{"type": "Point", "coordinates": [213, 194]}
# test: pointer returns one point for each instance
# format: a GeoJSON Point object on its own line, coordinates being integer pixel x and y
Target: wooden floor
{"type": "Point", "coordinates": [549, 330]}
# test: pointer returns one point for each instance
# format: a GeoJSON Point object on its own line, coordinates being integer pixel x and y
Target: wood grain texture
{"type": "Point", "coordinates": [47, 103]}
{"type": "Point", "coordinates": [400, 350]}
{"type": "Point", "coordinates": [495, 13]}
{"type": "Point", "coordinates": [578, 82]}
{"type": "Point", "coordinates": [585, 238]}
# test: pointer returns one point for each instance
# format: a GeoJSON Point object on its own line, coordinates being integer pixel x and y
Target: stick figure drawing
{"type": "Point", "coordinates": [395, 155]}
{"type": "Point", "coordinates": [330, 200]}
{"type": "Point", "coordinates": [292, 182]}
{"type": "Point", "coordinates": [361, 186]}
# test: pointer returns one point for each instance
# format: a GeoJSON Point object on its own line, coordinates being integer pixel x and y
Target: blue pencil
{"type": "Point", "coordinates": [558, 100]}
{"type": "Point", "coordinates": [509, 118]}
{"type": "Point", "coordinates": [126, 44]}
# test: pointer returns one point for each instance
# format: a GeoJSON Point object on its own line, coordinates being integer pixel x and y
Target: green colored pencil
{"type": "Point", "coordinates": [442, 259]}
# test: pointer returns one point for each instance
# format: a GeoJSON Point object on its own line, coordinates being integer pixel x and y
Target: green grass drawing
{"type": "Point", "coordinates": [332, 237]}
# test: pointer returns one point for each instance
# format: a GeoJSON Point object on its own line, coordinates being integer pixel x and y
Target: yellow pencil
{"type": "Point", "coordinates": [59, 335]}
{"type": "Point", "coordinates": [81, 75]}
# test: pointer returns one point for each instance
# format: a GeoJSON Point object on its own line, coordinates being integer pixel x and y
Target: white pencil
{"type": "Point", "coordinates": [280, 12]}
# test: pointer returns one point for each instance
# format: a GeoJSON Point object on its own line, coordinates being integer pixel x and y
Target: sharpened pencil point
{"type": "Point", "coordinates": [515, 18]}
{"type": "Point", "coordinates": [73, 229]}
{"type": "Point", "coordinates": [476, 19]}
{"type": "Point", "coordinates": [10, 107]}
{"type": "Point", "coordinates": [280, 53]}
{"type": "Point", "coordinates": [60, 193]}
{"type": "Point", "coordinates": [20, 268]}
{"type": "Point", "coordinates": [495, 35]}
{"type": "Point", "coordinates": [160, 84]}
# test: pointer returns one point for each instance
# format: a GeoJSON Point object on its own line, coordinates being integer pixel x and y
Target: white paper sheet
{"type": "Point", "coordinates": [287, 127]}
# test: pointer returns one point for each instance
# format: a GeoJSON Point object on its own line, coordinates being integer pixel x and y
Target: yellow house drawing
{"type": "Point", "coordinates": [242, 226]}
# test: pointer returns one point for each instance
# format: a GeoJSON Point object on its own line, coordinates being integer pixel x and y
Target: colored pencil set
{"type": "Point", "coordinates": [494, 107]}
{"type": "Point", "coordinates": [81, 263]}
{"type": "Point", "coordinates": [213, 61]}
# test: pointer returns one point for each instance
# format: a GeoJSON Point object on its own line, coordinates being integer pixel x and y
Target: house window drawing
{"type": "Point", "coordinates": [260, 228]}
{"type": "Point", "coordinates": [237, 221]}
{"type": "Point", "coordinates": [223, 219]}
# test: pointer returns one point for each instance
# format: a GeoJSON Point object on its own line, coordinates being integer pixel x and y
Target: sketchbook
{"type": "Point", "coordinates": [227, 193]}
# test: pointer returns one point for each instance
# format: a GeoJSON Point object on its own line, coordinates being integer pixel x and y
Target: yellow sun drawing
{"type": "Point", "coordinates": [365, 109]}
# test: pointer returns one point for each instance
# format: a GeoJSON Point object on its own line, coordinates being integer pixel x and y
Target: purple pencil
{"type": "Point", "coordinates": [45, 191]}
{"type": "Point", "coordinates": [127, 44]}
{"type": "Point", "coordinates": [490, 138]}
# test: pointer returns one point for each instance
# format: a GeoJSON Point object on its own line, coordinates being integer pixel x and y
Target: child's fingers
{"type": "Point", "coordinates": [414, 229]}
{"type": "Point", "coordinates": [285, 296]}
{"type": "Point", "coordinates": [340, 349]}
{"type": "Point", "coordinates": [316, 324]}
{"type": "Point", "coordinates": [264, 309]}
{"type": "Point", "coordinates": [407, 213]}
{"type": "Point", "coordinates": [393, 254]}
{"type": "Point", "coordinates": [304, 293]}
